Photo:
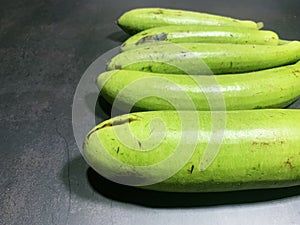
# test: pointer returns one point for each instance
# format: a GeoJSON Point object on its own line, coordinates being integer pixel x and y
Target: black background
{"type": "Point", "coordinates": [45, 47]}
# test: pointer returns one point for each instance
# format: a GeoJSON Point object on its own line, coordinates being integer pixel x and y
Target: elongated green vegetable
{"type": "Point", "coordinates": [196, 33]}
{"type": "Point", "coordinates": [199, 58]}
{"type": "Point", "coordinates": [258, 149]}
{"type": "Point", "coordinates": [140, 19]}
{"type": "Point", "coordinates": [272, 88]}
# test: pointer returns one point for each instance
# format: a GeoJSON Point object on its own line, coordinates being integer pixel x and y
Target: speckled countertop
{"type": "Point", "coordinates": [45, 47]}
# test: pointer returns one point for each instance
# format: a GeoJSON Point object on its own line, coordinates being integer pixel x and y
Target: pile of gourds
{"type": "Point", "coordinates": [204, 97]}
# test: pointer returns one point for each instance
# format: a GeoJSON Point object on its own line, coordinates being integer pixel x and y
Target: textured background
{"type": "Point", "coordinates": [45, 47]}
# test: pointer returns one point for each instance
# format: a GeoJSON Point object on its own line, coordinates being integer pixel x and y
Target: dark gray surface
{"type": "Point", "coordinates": [45, 47]}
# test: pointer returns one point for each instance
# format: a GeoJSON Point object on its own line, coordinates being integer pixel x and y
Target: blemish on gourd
{"type": "Point", "coordinates": [265, 143]}
{"type": "Point", "coordinates": [140, 144]}
{"type": "Point", "coordinates": [260, 143]}
{"type": "Point", "coordinates": [112, 123]}
{"type": "Point", "coordinates": [147, 69]}
{"type": "Point", "coordinates": [296, 73]}
{"type": "Point", "coordinates": [123, 121]}
{"type": "Point", "coordinates": [118, 67]}
{"type": "Point", "coordinates": [192, 169]}
{"type": "Point", "coordinates": [159, 11]}
{"type": "Point", "coordinates": [178, 13]}
{"type": "Point", "coordinates": [93, 131]}
{"type": "Point", "coordinates": [289, 164]}
{"type": "Point", "coordinates": [152, 38]}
